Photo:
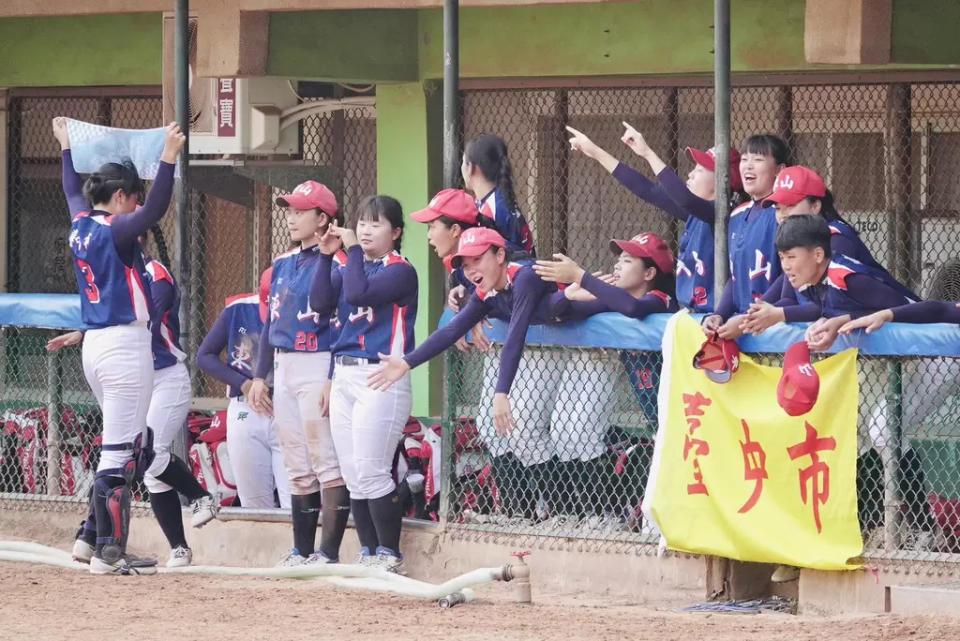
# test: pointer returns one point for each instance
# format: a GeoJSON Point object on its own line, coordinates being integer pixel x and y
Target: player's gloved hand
{"type": "Point", "coordinates": [347, 235]}
{"type": "Point", "coordinates": [325, 398]}
{"type": "Point", "coordinates": [60, 132]}
{"type": "Point", "coordinates": [561, 269]}
{"type": "Point", "coordinates": [392, 369]}
{"type": "Point", "coordinates": [635, 140]}
{"type": "Point", "coordinates": [64, 340]}
{"type": "Point", "coordinates": [455, 298]}
{"type": "Point", "coordinates": [503, 415]}
{"type": "Point", "coordinates": [173, 143]}
{"type": "Point", "coordinates": [761, 316]}
{"type": "Point", "coordinates": [872, 322]}
{"type": "Point", "coordinates": [259, 397]}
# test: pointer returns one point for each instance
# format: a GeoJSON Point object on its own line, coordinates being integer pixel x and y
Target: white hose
{"type": "Point", "coordinates": [346, 575]}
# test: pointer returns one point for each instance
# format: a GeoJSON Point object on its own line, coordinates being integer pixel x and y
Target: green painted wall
{"type": "Point", "coordinates": [408, 168]}
{"type": "Point", "coordinates": [926, 33]}
{"type": "Point", "coordinates": [351, 46]}
{"type": "Point", "coordinates": [81, 50]}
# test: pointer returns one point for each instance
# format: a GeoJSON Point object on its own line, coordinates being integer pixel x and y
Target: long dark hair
{"type": "Point", "coordinates": [665, 282]}
{"type": "Point", "coordinates": [828, 208]}
{"type": "Point", "coordinates": [112, 176]}
{"type": "Point", "coordinates": [386, 207]}
{"type": "Point", "coordinates": [489, 153]}
{"type": "Point", "coordinates": [767, 145]}
{"type": "Point", "coordinates": [161, 244]}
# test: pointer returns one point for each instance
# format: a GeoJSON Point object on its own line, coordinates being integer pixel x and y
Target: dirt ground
{"type": "Point", "coordinates": [41, 602]}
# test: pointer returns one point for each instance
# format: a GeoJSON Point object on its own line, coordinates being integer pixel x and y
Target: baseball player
{"type": "Point", "coordinates": [642, 284]}
{"type": "Point", "coordinates": [376, 294]}
{"type": "Point", "coordinates": [514, 293]}
{"type": "Point", "coordinates": [251, 438]}
{"type": "Point", "coordinates": [169, 405]}
{"type": "Point", "coordinates": [117, 360]}
{"type": "Point", "coordinates": [800, 191]}
{"type": "Point", "coordinates": [691, 202]}
{"type": "Point", "coordinates": [295, 343]}
{"type": "Point", "coordinates": [754, 264]}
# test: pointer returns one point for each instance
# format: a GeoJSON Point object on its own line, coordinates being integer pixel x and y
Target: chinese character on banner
{"type": "Point", "coordinates": [817, 474]}
{"type": "Point", "coordinates": [226, 107]}
{"type": "Point", "coordinates": [754, 467]}
{"type": "Point", "coordinates": [693, 405]}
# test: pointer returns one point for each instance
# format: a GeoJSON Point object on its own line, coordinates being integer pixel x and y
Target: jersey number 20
{"type": "Point", "coordinates": [90, 289]}
{"type": "Point", "coordinates": [304, 342]}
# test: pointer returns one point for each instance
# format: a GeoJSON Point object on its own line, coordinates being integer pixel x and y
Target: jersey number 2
{"type": "Point", "coordinates": [90, 289]}
{"type": "Point", "coordinates": [304, 342]}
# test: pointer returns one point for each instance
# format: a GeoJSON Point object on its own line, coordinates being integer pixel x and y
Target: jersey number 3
{"type": "Point", "coordinates": [304, 342]}
{"type": "Point", "coordinates": [90, 288]}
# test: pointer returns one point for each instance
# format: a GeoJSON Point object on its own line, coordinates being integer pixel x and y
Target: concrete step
{"type": "Point", "coordinates": [923, 599]}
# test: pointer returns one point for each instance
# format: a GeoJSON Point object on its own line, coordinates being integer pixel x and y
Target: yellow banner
{"type": "Point", "coordinates": [735, 476]}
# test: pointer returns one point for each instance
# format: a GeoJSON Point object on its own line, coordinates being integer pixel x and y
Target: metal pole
{"type": "Point", "coordinates": [721, 140]}
{"type": "Point", "coordinates": [181, 44]}
{"type": "Point", "coordinates": [451, 93]}
{"type": "Point", "coordinates": [54, 403]}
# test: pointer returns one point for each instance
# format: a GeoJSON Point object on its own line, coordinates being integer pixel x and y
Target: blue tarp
{"type": "Point", "coordinates": [49, 311]}
{"type": "Point", "coordinates": [617, 331]}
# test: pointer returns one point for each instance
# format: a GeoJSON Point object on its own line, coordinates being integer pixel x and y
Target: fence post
{"type": "Point", "coordinates": [891, 457]}
{"type": "Point", "coordinates": [54, 403]}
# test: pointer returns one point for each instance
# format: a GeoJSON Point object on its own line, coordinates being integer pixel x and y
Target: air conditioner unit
{"type": "Point", "coordinates": [230, 115]}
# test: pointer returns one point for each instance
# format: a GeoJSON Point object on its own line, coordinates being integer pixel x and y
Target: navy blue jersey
{"type": "Point", "coordinates": [243, 333]}
{"type": "Point", "coordinates": [855, 248]}
{"type": "Point", "coordinates": [511, 224]}
{"type": "Point", "coordinates": [695, 266]}
{"type": "Point", "coordinates": [166, 322]}
{"type": "Point", "coordinates": [294, 326]}
{"type": "Point", "coordinates": [754, 262]}
{"type": "Point", "coordinates": [111, 293]}
{"type": "Point", "coordinates": [643, 370]}
{"type": "Point", "coordinates": [836, 297]}
{"type": "Point", "coordinates": [377, 307]}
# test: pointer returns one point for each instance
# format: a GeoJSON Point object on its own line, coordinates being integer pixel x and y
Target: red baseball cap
{"type": "Point", "coordinates": [708, 160]}
{"type": "Point", "coordinates": [311, 195]}
{"type": "Point", "coordinates": [719, 358]}
{"type": "Point", "coordinates": [646, 245]}
{"type": "Point", "coordinates": [793, 184]}
{"type": "Point", "coordinates": [264, 291]}
{"type": "Point", "coordinates": [452, 203]}
{"type": "Point", "coordinates": [799, 385]}
{"type": "Point", "coordinates": [475, 241]}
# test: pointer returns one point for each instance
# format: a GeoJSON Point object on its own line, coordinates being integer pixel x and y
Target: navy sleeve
{"type": "Point", "coordinates": [776, 289]}
{"type": "Point", "coordinates": [688, 201]}
{"type": "Point", "coordinates": [805, 313]}
{"type": "Point", "coordinates": [564, 309]}
{"type": "Point", "coordinates": [161, 295]}
{"type": "Point", "coordinates": [620, 300]}
{"type": "Point", "coordinates": [394, 283]}
{"type": "Point", "coordinates": [325, 287]}
{"type": "Point", "coordinates": [127, 228]}
{"type": "Point", "coordinates": [645, 189]}
{"type": "Point", "coordinates": [871, 294]}
{"type": "Point", "coordinates": [474, 312]}
{"type": "Point", "coordinates": [529, 289]}
{"type": "Point", "coordinates": [725, 307]}
{"type": "Point", "coordinates": [264, 351]}
{"type": "Point", "coordinates": [72, 187]}
{"type": "Point", "coordinates": [928, 311]}
{"type": "Point", "coordinates": [208, 354]}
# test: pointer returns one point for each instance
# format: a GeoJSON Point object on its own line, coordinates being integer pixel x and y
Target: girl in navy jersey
{"type": "Point", "coordinates": [117, 359]}
{"type": "Point", "coordinates": [514, 293]}
{"type": "Point", "coordinates": [251, 437]}
{"type": "Point", "coordinates": [295, 343]}
{"type": "Point", "coordinates": [754, 264]}
{"type": "Point", "coordinates": [691, 202]}
{"type": "Point", "coordinates": [800, 191]}
{"type": "Point", "coordinates": [375, 295]}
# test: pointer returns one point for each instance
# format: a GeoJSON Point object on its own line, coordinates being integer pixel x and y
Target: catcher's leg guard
{"type": "Point", "coordinates": [112, 506]}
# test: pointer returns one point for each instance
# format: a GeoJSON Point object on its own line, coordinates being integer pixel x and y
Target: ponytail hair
{"type": "Point", "coordinates": [111, 177]}
{"type": "Point", "coordinates": [161, 244]}
{"type": "Point", "coordinates": [665, 282]}
{"type": "Point", "coordinates": [489, 153]}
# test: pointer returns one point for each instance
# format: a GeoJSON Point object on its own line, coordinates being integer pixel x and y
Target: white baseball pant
{"type": "Point", "coordinates": [367, 426]}
{"type": "Point", "coordinates": [308, 451]}
{"type": "Point", "coordinates": [118, 365]}
{"type": "Point", "coordinates": [255, 457]}
{"type": "Point", "coordinates": [169, 406]}
{"type": "Point", "coordinates": [532, 397]}
{"type": "Point", "coordinates": [584, 405]}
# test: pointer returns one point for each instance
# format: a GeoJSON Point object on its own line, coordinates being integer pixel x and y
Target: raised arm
{"type": "Point", "coordinates": [689, 202]}
{"type": "Point", "coordinates": [325, 287]}
{"type": "Point", "coordinates": [72, 186]}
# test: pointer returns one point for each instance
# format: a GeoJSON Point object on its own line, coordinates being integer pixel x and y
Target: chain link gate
{"type": "Point", "coordinates": [886, 149]}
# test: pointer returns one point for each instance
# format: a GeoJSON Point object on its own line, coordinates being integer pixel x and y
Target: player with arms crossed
{"type": "Point", "coordinates": [251, 437]}
{"type": "Point", "coordinates": [117, 361]}
{"type": "Point", "coordinates": [295, 343]}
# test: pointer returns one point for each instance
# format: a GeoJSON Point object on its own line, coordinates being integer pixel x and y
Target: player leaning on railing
{"type": "Point", "coordinates": [115, 306]}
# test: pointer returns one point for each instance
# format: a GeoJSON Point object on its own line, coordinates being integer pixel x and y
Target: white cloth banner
{"type": "Point", "coordinates": [93, 145]}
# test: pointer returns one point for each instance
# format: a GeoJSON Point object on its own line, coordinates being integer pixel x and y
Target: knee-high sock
{"type": "Point", "coordinates": [336, 511]}
{"type": "Point", "coordinates": [178, 476]}
{"type": "Point", "coordinates": [166, 507]}
{"type": "Point", "coordinates": [387, 517]}
{"type": "Point", "coordinates": [363, 521]}
{"type": "Point", "coordinates": [305, 510]}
